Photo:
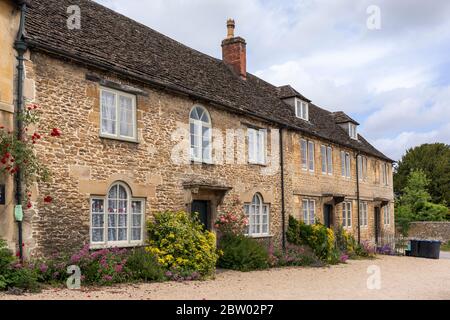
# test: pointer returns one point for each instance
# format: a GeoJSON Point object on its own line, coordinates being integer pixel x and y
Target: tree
{"type": "Point", "coordinates": [434, 161]}
{"type": "Point", "coordinates": [414, 203]}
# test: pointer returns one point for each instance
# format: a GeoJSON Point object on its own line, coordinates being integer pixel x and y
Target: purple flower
{"type": "Point", "coordinates": [118, 268]}
{"type": "Point", "coordinates": [43, 268]}
{"type": "Point", "coordinates": [107, 278]}
{"type": "Point", "coordinates": [344, 258]}
{"type": "Point", "coordinates": [169, 274]}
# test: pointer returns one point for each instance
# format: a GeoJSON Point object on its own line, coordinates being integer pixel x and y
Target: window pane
{"type": "Point", "coordinates": [304, 153]}
{"type": "Point", "coordinates": [311, 155]}
{"type": "Point", "coordinates": [136, 234]}
{"type": "Point", "coordinates": [136, 206]}
{"type": "Point", "coordinates": [112, 234]}
{"type": "Point", "coordinates": [251, 145]}
{"type": "Point", "coordinates": [122, 234]}
{"type": "Point", "coordinates": [97, 206]}
{"type": "Point", "coordinates": [122, 220]}
{"type": "Point", "coordinates": [112, 220]}
{"type": "Point", "coordinates": [323, 155]}
{"type": "Point", "coordinates": [137, 220]}
{"type": "Point", "coordinates": [126, 116]}
{"type": "Point", "coordinates": [97, 220]}
{"type": "Point", "coordinates": [343, 164]}
{"type": "Point", "coordinates": [108, 112]}
{"type": "Point", "coordinates": [97, 235]}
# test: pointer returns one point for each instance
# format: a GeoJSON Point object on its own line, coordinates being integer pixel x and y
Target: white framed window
{"type": "Point", "coordinates": [345, 164]}
{"type": "Point", "coordinates": [352, 131]}
{"type": "Point", "coordinates": [347, 214]}
{"type": "Point", "coordinates": [384, 174]}
{"type": "Point", "coordinates": [362, 167]}
{"type": "Point", "coordinates": [304, 153]}
{"type": "Point", "coordinates": [311, 156]}
{"type": "Point", "coordinates": [257, 213]}
{"type": "Point", "coordinates": [117, 115]}
{"type": "Point", "coordinates": [309, 211]}
{"type": "Point", "coordinates": [117, 219]}
{"type": "Point", "coordinates": [256, 146]}
{"type": "Point", "coordinates": [301, 109]}
{"type": "Point", "coordinates": [387, 214]}
{"type": "Point", "coordinates": [200, 135]}
{"type": "Point", "coordinates": [363, 215]}
{"type": "Point", "coordinates": [327, 159]}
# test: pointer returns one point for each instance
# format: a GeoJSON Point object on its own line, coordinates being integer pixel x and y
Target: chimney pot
{"type": "Point", "coordinates": [230, 28]}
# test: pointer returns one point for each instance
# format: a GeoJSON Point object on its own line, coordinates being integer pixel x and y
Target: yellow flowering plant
{"type": "Point", "coordinates": [181, 244]}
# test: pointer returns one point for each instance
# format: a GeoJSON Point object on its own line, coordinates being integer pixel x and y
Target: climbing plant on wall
{"type": "Point", "coordinates": [18, 154]}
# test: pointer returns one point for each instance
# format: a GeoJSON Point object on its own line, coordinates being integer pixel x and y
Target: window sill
{"type": "Point", "coordinates": [95, 246]}
{"type": "Point", "coordinates": [135, 141]}
{"type": "Point", "coordinates": [257, 164]}
{"type": "Point", "coordinates": [200, 162]}
{"type": "Point", "coordinates": [260, 236]}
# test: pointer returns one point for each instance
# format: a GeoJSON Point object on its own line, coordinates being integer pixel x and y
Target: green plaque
{"type": "Point", "coordinates": [18, 212]}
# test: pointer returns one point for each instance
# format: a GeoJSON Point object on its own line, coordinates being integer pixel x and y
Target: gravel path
{"type": "Point", "coordinates": [401, 278]}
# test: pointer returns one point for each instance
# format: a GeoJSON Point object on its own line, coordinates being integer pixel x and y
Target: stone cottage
{"type": "Point", "coordinates": [149, 124]}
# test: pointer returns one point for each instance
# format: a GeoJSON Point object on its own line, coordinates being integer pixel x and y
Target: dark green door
{"type": "Point", "coordinates": [328, 215]}
{"type": "Point", "coordinates": [201, 207]}
{"type": "Point", "coordinates": [377, 225]}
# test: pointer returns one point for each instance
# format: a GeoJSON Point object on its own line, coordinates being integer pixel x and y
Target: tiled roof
{"type": "Point", "coordinates": [341, 117]}
{"type": "Point", "coordinates": [117, 43]}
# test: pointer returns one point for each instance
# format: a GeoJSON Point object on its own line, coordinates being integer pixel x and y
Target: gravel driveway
{"type": "Point", "coordinates": [401, 278]}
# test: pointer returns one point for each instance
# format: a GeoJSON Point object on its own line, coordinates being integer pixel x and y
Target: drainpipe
{"type": "Point", "coordinates": [283, 209]}
{"type": "Point", "coordinates": [21, 48]}
{"type": "Point", "coordinates": [357, 197]}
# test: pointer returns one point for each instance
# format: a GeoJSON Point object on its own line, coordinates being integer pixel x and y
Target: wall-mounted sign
{"type": "Point", "coordinates": [18, 212]}
{"type": "Point", "coordinates": [2, 194]}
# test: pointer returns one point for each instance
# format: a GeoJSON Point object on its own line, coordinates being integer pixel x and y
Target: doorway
{"type": "Point", "coordinates": [328, 215]}
{"type": "Point", "coordinates": [377, 224]}
{"type": "Point", "coordinates": [202, 208]}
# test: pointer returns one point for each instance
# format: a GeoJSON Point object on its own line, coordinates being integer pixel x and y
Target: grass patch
{"type": "Point", "coordinates": [445, 246]}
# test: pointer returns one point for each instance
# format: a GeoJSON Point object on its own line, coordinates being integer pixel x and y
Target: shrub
{"type": "Point", "coordinates": [318, 237]}
{"type": "Point", "coordinates": [242, 253]}
{"type": "Point", "coordinates": [102, 267]}
{"type": "Point", "coordinates": [181, 244]}
{"type": "Point", "coordinates": [144, 266]}
{"type": "Point", "coordinates": [13, 274]}
{"type": "Point", "coordinates": [293, 256]}
{"type": "Point", "coordinates": [231, 223]}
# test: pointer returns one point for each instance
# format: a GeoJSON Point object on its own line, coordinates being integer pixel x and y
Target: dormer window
{"type": "Point", "coordinates": [302, 109]}
{"type": "Point", "coordinates": [352, 131]}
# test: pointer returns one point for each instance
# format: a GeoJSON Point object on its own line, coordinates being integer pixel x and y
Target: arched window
{"type": "Point", "coordinates": [120, 221]}
{"type": "Point", "coordinates": [200, 134]}
{"type": "Point", "coordinates": [258, 216]}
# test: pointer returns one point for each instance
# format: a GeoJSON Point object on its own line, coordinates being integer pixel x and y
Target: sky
{"type": "Point", "coordinates": [393, 79]}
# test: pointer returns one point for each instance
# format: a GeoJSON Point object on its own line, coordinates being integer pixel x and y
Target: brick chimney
{"type": "Point", "coordinates": [234, 51]}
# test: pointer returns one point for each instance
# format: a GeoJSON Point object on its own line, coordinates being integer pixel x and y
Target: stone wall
{"type": "Point", "coordinates": [9, 21]}
{"type": "Point", "coordinates": [429, 230]}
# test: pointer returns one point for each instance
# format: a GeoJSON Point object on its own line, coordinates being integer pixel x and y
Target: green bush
{"type": "Point", "coordinates": [242, 253]}
{"type": "Point", "coordinates": [144, 266]}
{"type": "Point", "coordinates": [317, 236]}
{"type": "Point", "coordinates": [15, 275]}
{"type": "Point", "coordinates": [181, 244]}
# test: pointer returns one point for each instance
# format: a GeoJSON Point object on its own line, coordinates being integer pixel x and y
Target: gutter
{"type": "Point", "coordinates": [283, 209]}
{"type": "Point", "coordinates": [21, 47]}
{"type": "Point", "coordinates": [358, 200]}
